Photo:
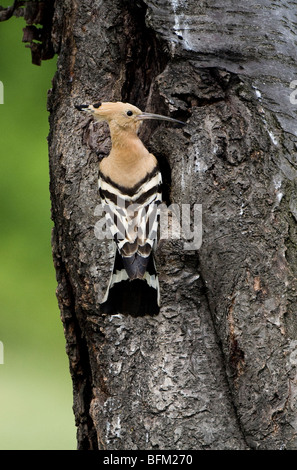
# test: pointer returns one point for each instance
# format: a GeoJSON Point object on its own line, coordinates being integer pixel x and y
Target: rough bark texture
{"type": "Point", "coordinates": [217, 368]}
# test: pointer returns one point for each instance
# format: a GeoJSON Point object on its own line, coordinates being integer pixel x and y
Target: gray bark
{"type": "Point", "coordinates": [216, 369]}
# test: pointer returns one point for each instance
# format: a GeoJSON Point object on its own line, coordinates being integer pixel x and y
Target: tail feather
{"type": "Point", "coordinates": [137, 265]}
{"type": "Point", "coordinates": [137, 296]}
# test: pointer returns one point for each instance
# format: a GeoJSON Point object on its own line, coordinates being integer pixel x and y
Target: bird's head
{"type": "Point", "coordinates": [124, 116]}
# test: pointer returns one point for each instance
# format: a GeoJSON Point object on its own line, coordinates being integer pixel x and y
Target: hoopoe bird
{"type": "Point", "coordinates": [130, 185]}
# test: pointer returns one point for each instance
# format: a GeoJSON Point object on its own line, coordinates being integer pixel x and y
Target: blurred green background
{"type": "Point", "coordinates": [35, 385]}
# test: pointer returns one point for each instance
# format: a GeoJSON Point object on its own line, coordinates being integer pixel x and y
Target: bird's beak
{"type": "Point", "coordinates": [143, 116]}
{"type": "Point", "coordinates": [83, 107]}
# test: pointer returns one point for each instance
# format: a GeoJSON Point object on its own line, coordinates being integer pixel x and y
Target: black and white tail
{"type": "Point", "coordinates": [133, 215]}
{"type": "Point", "coordinates": [134, 297]}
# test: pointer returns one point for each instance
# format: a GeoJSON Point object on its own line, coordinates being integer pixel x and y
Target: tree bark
{"type": "Point", "coordinates": [216, 369]}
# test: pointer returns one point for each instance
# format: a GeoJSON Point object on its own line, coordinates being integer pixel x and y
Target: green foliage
{"type": "Point", "coordinates": [35, 386]}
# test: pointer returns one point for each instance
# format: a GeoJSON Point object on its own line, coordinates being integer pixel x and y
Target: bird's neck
{"type": "Point", "coordinates": [127, 148]}
{"type": "Point", "coordinates": [129, 161]}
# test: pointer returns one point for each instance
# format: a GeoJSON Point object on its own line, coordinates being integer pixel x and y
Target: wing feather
{"type": "Point", "coordinates": [133, 219]}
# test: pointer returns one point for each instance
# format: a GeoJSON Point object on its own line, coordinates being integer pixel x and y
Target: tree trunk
{"type": "Point", "coordinates": [216, 369]}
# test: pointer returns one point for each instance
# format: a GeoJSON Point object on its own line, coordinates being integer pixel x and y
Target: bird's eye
{"type": "Point", "coordinates": [129, 113]}
{"type": "Point", "coordinates": [97, 105]}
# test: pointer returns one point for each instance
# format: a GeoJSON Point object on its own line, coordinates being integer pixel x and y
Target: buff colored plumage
{"type": "Point", "coordinates": [130, 188]}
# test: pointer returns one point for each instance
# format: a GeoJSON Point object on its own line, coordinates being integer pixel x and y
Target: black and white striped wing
{"type": "Point", "coordinates": [132, 215]}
